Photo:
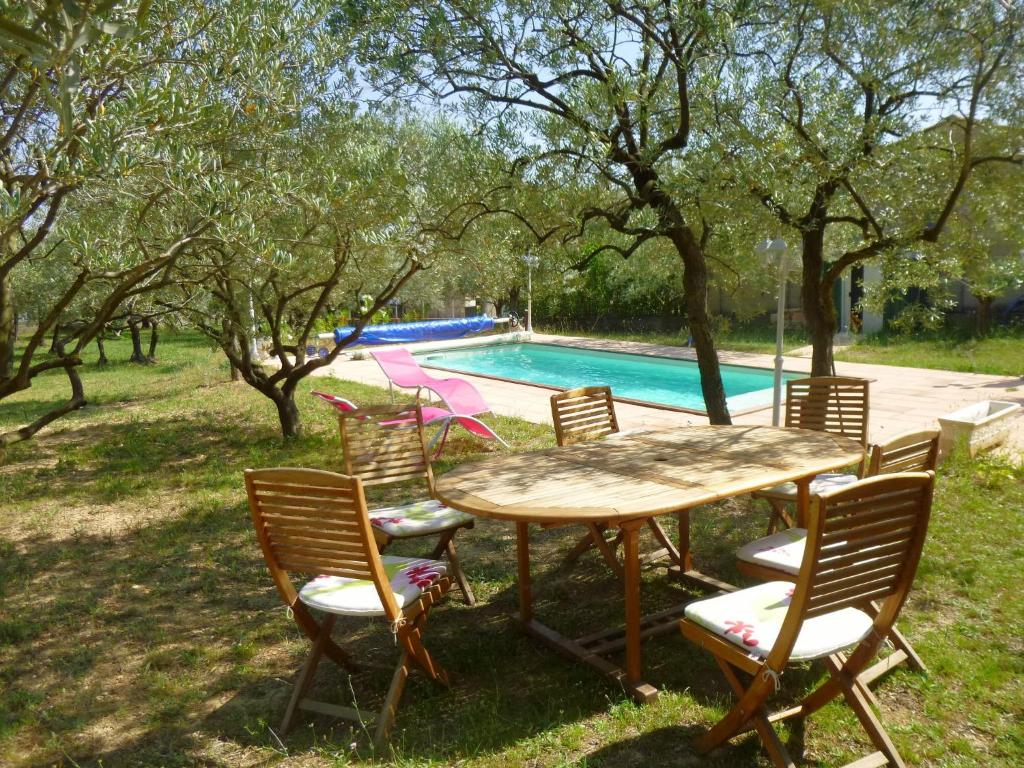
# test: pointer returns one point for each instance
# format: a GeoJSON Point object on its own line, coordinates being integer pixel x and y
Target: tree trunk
{"type": "Point", "coordinates": [236, 375]}
{"type": "Point", "coordinates": [984, 315]}
{"type": "Point", "coordinates": [76, 401]}
{"type": "Point", "coordinates": [287, 413]}
{"type": "Point", "coordinates": [819, 309]}
{"type": "Point", "coordinates": [154, 338]}
{"type": "Point", "coordinates": [103, 352]}
{"type": "Point", "coordinates": [136, 330]}
{"type": "Point", "coordinates": [8, 327]}
{"type": "Point", "coordinates": [695, 290]}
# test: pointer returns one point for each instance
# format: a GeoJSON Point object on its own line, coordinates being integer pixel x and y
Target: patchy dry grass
{"type": "Point", "coordinates": [138, 626]}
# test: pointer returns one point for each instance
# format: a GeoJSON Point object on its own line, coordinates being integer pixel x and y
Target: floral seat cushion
{"type": "Point", "coordinates": [751, 618]}
{"type": "Point", "coordinates": [782, 551]}
{"type": "Point", "coordinates": [827, 481]}
{"type": "Point", "coordinates": [408, 576]}
{"type": "Point", "coordinates": [417, 519]}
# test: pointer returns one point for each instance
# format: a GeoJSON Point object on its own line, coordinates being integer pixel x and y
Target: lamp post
{"type": "Point", "coordinates": [774, 253]}
{"type": "Point", "coordinates": [531, 261]}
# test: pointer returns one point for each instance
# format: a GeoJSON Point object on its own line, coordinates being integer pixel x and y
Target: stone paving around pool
{"type": "Point", "coordinates": [901, 398]}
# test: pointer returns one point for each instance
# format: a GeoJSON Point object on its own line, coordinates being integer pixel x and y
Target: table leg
{"type": "Point", "coordinates": [803, 500]}
{"type": "Point", "coordinates": [523, 561]}
{"type": "Point", "coordinates": [685, 570]}
{"type": "Point", "coordinates": [685, 555]}
{"type": "Point", "coordinates": [631, 561]}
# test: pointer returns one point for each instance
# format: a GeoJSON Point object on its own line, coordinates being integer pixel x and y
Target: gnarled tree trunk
{"type": "Point", "coordinates": [695, 289]}
{"type": "Point", "coordinates": [135, 327]}
{"type": "Point", "coordinates": [819, 309]}
{"type": "Point", "coordinates": [287, 413]}
{"type": "Point", "coordinates": [103, 360]}
{"type": "Point", "coordinates": [154, 339]}
{"type": "Point", "coordinates": [984, 325]}
{"type": "Point", "coordinates": [8, 327]}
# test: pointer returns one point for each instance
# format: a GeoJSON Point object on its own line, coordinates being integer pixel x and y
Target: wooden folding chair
{"type": "Point", "coordinates": [588, 413]}
{"type": "Point", "coordinates": [383, 445]}
{"type": "Point", "coordinates": [834, 404]}
{"type": "Point", "coordinates": [315, 523]}
{"type": "Point", "coordinates": [864, 542]}
{"type": "Point", "coordinates": [778, 557]}
{"type": "Point", "coordinates": [915, 451]}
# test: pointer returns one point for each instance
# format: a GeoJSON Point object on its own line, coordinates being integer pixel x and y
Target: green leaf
{"type": "Point", "coordinates": [84, 37]}
{"type": "Point", "coordinates": [143, 12]}
{"type": "Point", "coordinates": [117, 30]}
{"type": "Point", "coordinates": [72, 9]}
{"type": "Point", "coordinates": [24, 39]}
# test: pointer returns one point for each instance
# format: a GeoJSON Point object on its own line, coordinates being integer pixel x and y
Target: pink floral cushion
{"type": "Point", "coordinates": [751, 618]}
{"type": "Point", "coordinates": [783, 551]}
{"type": "Point", "coordinates": [408, 576]}
{"type": "Point", "coordinates": [419, 518]}
{"type": "Point", "coordinates": [827, 481]}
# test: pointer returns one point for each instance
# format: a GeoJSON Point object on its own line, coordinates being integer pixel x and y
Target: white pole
{"type": "Point", "coordinates": [780, 327]}
{"type": "Point", "coordinates": [253, 351]}
{"type": "Point", "coordinates": [529, 297]}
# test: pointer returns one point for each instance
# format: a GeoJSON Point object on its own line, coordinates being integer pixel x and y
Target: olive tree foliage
{"type": "Point", "coordinates": [982, 249]}
{"type": "Point", "coordinates": [985, 241]}
{"type": "Point", "coordinates": [342, 208]}
{"type": "Point", "coordinates": [87, 90]}
{"type": "Point", "coordinates": [617, 98]}
{"type": "Point", "coordinates": [836, 126]}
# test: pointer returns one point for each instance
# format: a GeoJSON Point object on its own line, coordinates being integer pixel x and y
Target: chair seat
{"type": "Point", "coordinates": [827, 481]}
{"type": "Point", "coordinates": [751, 619]}
{"type": "Point", "coordinates": [408, 576]}
{"type": "Point", "coordinates": [782, 551]}
{"type": "Point", "coordinates": [419, 518]}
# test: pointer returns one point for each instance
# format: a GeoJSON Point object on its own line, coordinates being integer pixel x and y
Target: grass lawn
{"type": "Point", "coordinates": [1001, 354]}
{"type": "Point", "coordinates": [139, 626]}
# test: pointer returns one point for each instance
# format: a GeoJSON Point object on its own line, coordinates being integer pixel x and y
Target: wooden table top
{"type": "Point", "coordinates": [641, 475]}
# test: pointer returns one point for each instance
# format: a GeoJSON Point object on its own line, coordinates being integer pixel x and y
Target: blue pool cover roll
{"type": "Point", "coordinates": [426, 330]}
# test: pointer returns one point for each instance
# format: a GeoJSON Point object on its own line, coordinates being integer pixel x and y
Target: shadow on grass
{"type": "Point", "coordinates": [168, 646]}
{"type": "Point", "coordinates": [163, 642]}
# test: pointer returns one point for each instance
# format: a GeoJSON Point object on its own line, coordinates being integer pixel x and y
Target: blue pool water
{"type": "Point", "coordinates": [638, 377]}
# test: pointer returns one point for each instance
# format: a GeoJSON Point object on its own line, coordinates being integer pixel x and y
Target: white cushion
{"type": "Point", "coordinates": [409, 576]}
{"type": "Point", "coordinates": [751, 618]}
{"type": "Point", "coordinates": [783, 551]}
{"type": "Point", "coordinates": [827, 481]}
{"type": "Point", "coordinates": [417, 519]}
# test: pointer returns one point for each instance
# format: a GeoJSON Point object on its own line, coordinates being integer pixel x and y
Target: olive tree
{"type": "Point", "coordinates": [339, 207]}
{"type": "Point", "coordinates": [859, 126]}
{"type": "Point", "coordinates": [615, 98]}
{"type": "Point", "coordinates": [113, 109]}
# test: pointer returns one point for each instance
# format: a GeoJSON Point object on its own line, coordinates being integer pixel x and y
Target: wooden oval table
{"type": "Point", "coordinates": [623, 481]}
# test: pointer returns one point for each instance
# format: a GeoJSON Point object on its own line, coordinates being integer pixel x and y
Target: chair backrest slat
{"type": "Point", "coordinates": [584, 413]}
{"type": "Point", "coordinates": [916, 451]}
{"type": "Point", "coordinates": [315, 523]}
{"type": "Point", "coordinates": [834, 404]}
{"type": "Point", "coordinates": [385, 444]}
{"type": "Point", "coordinates": [865, 540]}
{"type": "Point", "coordinates": [312, 522]}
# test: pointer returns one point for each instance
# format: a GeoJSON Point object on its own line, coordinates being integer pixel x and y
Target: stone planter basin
{"type": "Point", "coordinates": [979, 426]}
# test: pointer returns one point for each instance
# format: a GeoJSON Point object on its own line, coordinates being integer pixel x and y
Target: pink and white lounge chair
{"type": "Point", "coordinates": [431, 415]}
{"type": "Point", "coordinates": [403, 371]}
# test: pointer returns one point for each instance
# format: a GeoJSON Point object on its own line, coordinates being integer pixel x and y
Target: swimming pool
{"type": "Point", "coordinates": [657, 380]}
